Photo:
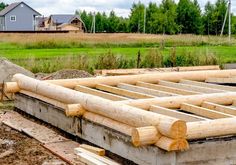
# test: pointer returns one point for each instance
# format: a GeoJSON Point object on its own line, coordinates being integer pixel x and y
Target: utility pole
{"type": "Point", "coordinates": [144, 22]}
{"type": "Point", "coordinates": [229, 20]}
{"type": "Point", "coordinates": [93, 26]}
{"type": "Point", "coordinates": [228, 12]}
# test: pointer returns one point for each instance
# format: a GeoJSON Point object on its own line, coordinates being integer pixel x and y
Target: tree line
{"type": "Point", "coordinates": [2, 5]}
{"type": "Point", "coordinates": [185, 17]}
{"type": "Point", "coordinates": [169, 17]}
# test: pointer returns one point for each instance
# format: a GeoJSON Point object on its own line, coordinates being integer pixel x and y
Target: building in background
{"type": "Point", "coordinates": [67, 22]}
{"type": "Point", "coordinates": [18, 17]}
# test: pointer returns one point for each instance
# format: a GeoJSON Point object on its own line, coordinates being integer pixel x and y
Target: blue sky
{"type": "Point", "coordinates": [121, 7]}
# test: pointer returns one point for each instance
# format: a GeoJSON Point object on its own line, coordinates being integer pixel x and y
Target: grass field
{"type": "Point", "coordinates": [24, 48]}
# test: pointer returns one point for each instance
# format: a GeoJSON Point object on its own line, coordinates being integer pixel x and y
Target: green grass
{"type": "Point", "coordinates": [11, 51]}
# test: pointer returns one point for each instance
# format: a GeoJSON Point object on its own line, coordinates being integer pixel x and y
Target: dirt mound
{"type": "Point", "coordinates": [8, 69]}
{"type": "Point", "coordinates": [67, 74]}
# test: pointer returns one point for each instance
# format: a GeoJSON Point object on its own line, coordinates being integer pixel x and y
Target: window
{"type": "Point", "coordinates": [12, 18]}
{"type": "Point", "coordinates": [22, 5]}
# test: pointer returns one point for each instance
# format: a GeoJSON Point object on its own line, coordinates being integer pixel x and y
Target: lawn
{"type": "Point", "coordinates": [47, 52]}
{"type": "Point", "coordinates": [226, 53]}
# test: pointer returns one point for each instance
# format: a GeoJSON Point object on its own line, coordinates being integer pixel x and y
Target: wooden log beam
{"type": "Point", "coordinates": [203, 111]}
{"type": "Point", "coordinates": [174, 102]}
{"type": "Point", "coordinates": [173, 113]}
{"type": "Point", "coordinates": [153, 70]}
{"type": "Point", "coordinates": [168, 126]}
{"type": "Point", "coordinates": [166, 89]}
{"type": "Point", "coordinates": [211, 128]}
{"type": "Point", "coordinates": [219, 108]}
{"type": "Point", "coordinates": [122, 92]}
{"type": "Point", "coordinates": [70, 109]}
{"type": "Point", "coordinates": [11, 87]}
{"type": "Point", "coordinates": [102, 94]}
{"type": "Point", "coordinates": [189, 87]}
{"type": "Point", "coordinates": [208, 85]}
{"type": "Point", "coordinates": [144, 90]}
{"type": "Point", "coordinates": [150, 78]}
{"type": "Point", "coordinates": [73, 110]}
{"type": "Point", "coordinates": [149, 135]}
{"type": "Point", "coordinates": [169, 144]}
{"type": "Point", "coordinates": [221, 80]}
{"type": "Point", "coordinates": [107, 122]}
{"type": "Point", "coordinates": [145, 136]}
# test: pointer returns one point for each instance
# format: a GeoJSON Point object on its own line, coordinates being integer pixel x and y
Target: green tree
{"type": "Point", "coordinates": [214, 17]}
{"type": "Point", "coordinates": [113, 22]}
{"type": "Point", "coordinates": [168, 17]}
{"type": "Point", "coordinates": [3, 5]}
{"type": "Point", "coordinates": [189, 17]}
{"type": "Point", "coordinates": [137, 17]}
{"type": "Point", "coordinates": [219, 14]}
{"type": "Point", "coordinates": [151, 15]}
{"type": "Point", "coordinates": [208, 20]}
{"type": "Point", "coordinates": [86, 18]}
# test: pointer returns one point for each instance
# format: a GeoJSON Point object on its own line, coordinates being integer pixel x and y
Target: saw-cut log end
{"type": "Point", "coordinates": [178, 129]}
{"type": "Point", "coordinates": [169, 144]}
{"type": "Point", "coordinates": [74, 110]}
{"type": "Point", "coordinates": [145, 136]}
{"type": "Point", "coordinates": [11, 87]}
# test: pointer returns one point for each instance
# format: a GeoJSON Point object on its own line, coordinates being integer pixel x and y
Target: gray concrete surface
{"type": "Point", "coordinates": [8, 69]}
{"type": "Point", "coordinates": [219, 151]}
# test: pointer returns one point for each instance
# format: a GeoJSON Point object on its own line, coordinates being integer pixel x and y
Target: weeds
{"type": "Point", "coordinates": [153, 59]}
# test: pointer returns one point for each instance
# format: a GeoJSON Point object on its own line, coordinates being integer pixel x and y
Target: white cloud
{"type": "Point", "coordinates": [121, 7]}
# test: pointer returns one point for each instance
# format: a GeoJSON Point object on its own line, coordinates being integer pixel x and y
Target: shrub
{"type": "Point", "coordinates": [154, 59]}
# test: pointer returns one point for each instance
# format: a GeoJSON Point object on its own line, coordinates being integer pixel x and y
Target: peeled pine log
{"type": "Point", "coordinates": [221, 80]}
{"type": "Point", "coordinates": [45, 99]}
{"type": "Point", "coordinates": [149, 135]}
{"type": "Point", "coordinates": [72, 110]}
{"type": "Point", "coordinates": [175, 102]}
{"type": "Point", "coordinates": [211, 128]}
{"type": "Point", "coordinates": [153, 70]}
{"type": "Point", "coordinates": [11, 87]}
{"type": "Point", "coordinates": [112, 124]}
{"type": "Point", "coordinates": [150, 78]}
{"type": "Point", "coordinates": [169, 144]}
{"type": "Point", "coordinates": [167, 126]}
{"type": "Point", "coordinates": [145, 136]}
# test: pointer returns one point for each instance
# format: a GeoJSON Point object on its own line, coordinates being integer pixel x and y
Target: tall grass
{"type": "Point", "coordinates": [153, 59]}
{"type": "Point", "coordinates": [38, 41]}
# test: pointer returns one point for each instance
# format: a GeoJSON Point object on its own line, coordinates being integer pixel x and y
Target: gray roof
{"type": "Point", "coordinates": [9, 8]}
{"type": "Point", "coordinates": [63, 18]}
{"type": "Point", "coordinates": [13, 6]}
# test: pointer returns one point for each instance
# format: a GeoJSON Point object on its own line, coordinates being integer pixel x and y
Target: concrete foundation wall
{"type": "Point", "coordinates": [215, 151]}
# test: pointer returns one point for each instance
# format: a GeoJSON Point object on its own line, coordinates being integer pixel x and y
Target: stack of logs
{"type": "Point", "coordinates": [144, 127]}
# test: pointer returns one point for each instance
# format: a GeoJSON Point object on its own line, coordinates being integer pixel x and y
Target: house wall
{"type": "Point", "coordinates": [1, 23]}
{"type": "Point", "coordinates": [70, 28]}
{"type": "Point", "coordinates": [24, 19]}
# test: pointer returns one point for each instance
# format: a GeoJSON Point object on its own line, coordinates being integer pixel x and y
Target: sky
{"type": "Point", "coordinates": [121, 7]}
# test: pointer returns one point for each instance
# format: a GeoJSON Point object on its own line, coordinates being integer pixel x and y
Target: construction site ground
{"type": "Point", "coordinates": [18, 148]}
